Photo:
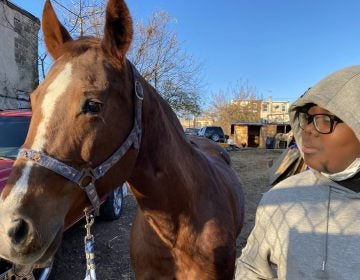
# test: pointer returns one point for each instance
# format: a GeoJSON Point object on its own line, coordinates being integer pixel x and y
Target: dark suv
{"type": "Point", "coordinates": [214, 133]}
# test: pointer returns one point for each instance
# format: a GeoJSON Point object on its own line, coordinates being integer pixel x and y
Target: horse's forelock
{"type": "Point", "coordinates": [78, 47]}
{"type": "Point", "coordinates": [81, 45]}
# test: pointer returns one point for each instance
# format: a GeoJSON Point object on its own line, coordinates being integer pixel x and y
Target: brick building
{"type": "Point", "coordinates": [18, 55]}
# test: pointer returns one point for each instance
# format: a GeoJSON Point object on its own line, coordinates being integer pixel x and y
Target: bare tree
{"type": "Point", "coordinates": [81, 18]}
{"type": "Point", "coordinates": [155, 51]}
{"type": "Point", "coordinates": [239, 103]}
{"type": "Point", "coordinates": [158, 55]}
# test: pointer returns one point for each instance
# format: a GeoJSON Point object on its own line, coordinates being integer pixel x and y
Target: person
{"type": "Point", "coordinates": [292, 143]}
{"type": "Point", "coordinates": [308, 225]}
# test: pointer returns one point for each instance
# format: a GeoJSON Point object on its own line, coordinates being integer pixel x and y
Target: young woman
{"type": "Point", "coordinates": [308, 226]}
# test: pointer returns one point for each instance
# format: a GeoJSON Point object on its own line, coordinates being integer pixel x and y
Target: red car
{"type": "Point", "coordinates": [13, 129]}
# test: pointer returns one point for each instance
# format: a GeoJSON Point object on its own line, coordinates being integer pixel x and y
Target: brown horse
{"type": "Point", "coordinates": [96, 123]}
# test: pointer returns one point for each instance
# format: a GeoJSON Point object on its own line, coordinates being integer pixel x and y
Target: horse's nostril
{"type": "Point", "coordinates": [19, 231]}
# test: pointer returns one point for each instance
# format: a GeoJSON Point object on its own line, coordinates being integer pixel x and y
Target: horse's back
{"type": "Point", "coordinates": [210, 148]}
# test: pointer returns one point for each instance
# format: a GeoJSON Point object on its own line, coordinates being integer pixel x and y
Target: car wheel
{"type": "Point", "coordinates": [10, 271]}
{"type": "Point", "coordinates": [215, 137]}
{"type": "Point", "coordinates": [44, 273]}
{"type": "Point", "coordinates": [111, 209]}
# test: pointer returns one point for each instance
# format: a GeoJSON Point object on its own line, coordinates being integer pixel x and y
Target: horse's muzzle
{"type": "Point", "coordinates": [21, 244]}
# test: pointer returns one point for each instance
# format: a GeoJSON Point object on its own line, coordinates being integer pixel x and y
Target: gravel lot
{"type": "Point", "coordinates": [112, 238]}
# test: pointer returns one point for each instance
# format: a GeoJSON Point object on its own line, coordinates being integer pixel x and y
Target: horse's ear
{"type": "Point", "coordinates": [55, 35]}
{"type": "Point", "coordinates": [118, 31]}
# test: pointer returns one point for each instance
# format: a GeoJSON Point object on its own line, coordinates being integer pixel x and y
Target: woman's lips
{"type": "Point", "coordinates": [308, 149]}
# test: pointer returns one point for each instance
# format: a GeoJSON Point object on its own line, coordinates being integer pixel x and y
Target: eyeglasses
{"type": "Point", "coordinates": [323, 123]}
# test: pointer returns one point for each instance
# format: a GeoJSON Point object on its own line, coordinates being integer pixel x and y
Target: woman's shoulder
{"type": "Point", "coordinates": [305, 178]}
{"type": "Point", "coordinates": [294, 187]}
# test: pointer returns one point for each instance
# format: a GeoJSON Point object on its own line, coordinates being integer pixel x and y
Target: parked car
{"type": "Point", "coordinates": [191, 131]}
{"type": "Point", "coordinates": [214, 133]}
{"type": "Point", "coordinates": [13, 130]}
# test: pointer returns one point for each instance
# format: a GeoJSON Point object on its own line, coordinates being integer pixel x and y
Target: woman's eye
{"type": "Point", "coordinates": [325, 119]}
{"type": "Point", "coordinates": [92, 107]}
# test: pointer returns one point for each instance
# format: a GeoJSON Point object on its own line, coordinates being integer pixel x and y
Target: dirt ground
{"type": "Point", "coordinates": [112, 238]}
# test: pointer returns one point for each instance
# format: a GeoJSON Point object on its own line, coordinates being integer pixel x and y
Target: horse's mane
{"type": "Point", "coordinates": [158, 101]}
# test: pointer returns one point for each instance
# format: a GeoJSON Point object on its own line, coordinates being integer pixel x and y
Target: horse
{"type": "Point", "coordinates": [285, 137]}
{"type": "Point", "coordinates": [96, 123]}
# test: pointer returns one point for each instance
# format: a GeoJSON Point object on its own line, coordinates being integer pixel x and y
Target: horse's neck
{"type": "Point", "coordinates": [165, 178]}
{"type": "Point", "coordinates": [162, 139]}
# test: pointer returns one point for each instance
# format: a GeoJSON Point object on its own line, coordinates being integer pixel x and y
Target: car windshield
{"type": "Point", "coordinates": [215, 129]}
{"type": "Point", "coordinates": [192, 131]}
{"type": "Point", "coordinates": [13, 131]}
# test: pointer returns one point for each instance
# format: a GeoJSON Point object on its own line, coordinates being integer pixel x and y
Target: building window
{"type": "Point", "coordinates": [265, 107]}
{"type": "Point", "coordinates": [17, 25]}
{"type": "Point", "coordinates": [283, 108]}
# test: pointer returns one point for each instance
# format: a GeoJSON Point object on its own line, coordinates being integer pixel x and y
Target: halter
{"type": "Point", "coordinates": [94, 174]}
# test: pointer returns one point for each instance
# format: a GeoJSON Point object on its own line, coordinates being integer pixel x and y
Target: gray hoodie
{"type": "Point", "coordinates": [307, 226]}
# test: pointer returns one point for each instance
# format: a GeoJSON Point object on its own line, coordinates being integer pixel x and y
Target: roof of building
{"type": "Point", "coordinates": [259, 123]}
{"type": "Point", "coordinates": [20, 10]}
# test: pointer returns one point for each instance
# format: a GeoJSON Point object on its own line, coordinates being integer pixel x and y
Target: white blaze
{"type": "Point", "coordinates": [53, 95]}
{"type": "Point", "coordinates": [56, 89]}
{"type": "Point", "coordinates": [20, 187]}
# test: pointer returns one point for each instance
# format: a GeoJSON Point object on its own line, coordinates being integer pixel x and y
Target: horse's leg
{"type": "Point", "coordinates": [150, 258]}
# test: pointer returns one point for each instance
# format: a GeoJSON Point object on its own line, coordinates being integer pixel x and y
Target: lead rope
{"type": "Point", "coordinates": [89, 247]}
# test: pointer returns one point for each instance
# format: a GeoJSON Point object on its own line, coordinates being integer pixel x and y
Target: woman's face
{"type": "Point", "coordinates": [329, 153]}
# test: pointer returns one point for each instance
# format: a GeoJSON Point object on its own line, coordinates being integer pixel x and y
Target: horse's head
{"type": "Point", "coordinates": [82, 112]}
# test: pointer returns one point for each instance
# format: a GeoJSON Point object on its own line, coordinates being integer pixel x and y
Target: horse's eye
{"type": "Point", "coordinates": [92, 107]}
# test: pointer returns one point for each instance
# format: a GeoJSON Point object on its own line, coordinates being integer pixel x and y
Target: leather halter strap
{"type": "Point", "coordinates": [77, 176]}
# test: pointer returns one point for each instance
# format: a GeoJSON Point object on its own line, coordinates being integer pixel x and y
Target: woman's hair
{"type": "Point", "coordinates": [304, 108]}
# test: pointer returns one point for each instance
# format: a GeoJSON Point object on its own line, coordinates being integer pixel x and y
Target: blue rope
{"type": "Point", "coordinates": [89, 247]}
{"type": "Point", "coordinates": [90, 260]}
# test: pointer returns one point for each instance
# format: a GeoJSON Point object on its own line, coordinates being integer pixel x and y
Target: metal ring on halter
{"type": "Point", "coordinates": [88, 173]}
{"type": "Point", "coordinates": [139, 91]}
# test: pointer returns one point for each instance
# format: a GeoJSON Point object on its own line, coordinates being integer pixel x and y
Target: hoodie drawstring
{"type": "Point", "coordinates": [326, 232]}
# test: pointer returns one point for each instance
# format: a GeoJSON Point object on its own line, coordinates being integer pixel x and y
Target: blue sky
{"type": "Point", "coordinates": [280, 47]}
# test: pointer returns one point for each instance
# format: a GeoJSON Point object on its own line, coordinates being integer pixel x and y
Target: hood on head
{"type": "Point", "coordinates": [338, 93]}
